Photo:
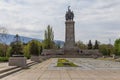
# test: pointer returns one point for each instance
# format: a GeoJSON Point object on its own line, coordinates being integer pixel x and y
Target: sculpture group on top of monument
{"type": "Point", "coordinates": [69, 14]}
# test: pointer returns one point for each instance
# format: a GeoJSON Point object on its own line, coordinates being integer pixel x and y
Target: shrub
{"type": "Point", "coordinates": [106, 49]}
{"type": "Point", "coordinates": [4, 59]}
{"type": "Point", "coordinates": [117, 46]}
{"type": "Point", "coordinates": [8, 53]}
{"type": "Point", "coordinates": [3, 49]}
{"type": "Point", "coordinates": [26, 51]}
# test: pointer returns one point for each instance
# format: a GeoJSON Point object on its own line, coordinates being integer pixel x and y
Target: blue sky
{"type": "Point", "coordinates": [94, 19]}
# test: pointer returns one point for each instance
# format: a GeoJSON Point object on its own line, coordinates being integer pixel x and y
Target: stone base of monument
{"type": "Point", "coordinates": [35, 58]}
{"type": "Point", "coordinates": [90, 53]}
{"type": "Point", "coordinates": [52, 52]}
{"type": "Point", "coordinates": [18, 61]}
{"type": "Point", "coordinates": [71, 50]}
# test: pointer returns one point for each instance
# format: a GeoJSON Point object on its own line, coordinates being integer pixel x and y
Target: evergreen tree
{"type": "Point", "coordinates": [96, 46]}
{"type": "Point", "coordinates": [90, 45]}
{"type": "Point", "coordinates": [16, 46]}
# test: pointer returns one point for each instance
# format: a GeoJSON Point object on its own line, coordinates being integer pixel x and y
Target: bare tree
{"type": "Point", "coordinates": [3, 34]}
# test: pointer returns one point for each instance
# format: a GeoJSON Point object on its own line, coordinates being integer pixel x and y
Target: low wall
{"type": "Point", "coordinates": [52, 52]}
{"type": "Point", "coordinates": [90, 52]}
{"type": "Point", "coordinates": [80, 53]}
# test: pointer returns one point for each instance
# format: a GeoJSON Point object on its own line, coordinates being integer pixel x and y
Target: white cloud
{"type": "Point", "coordinates": [95, 19]}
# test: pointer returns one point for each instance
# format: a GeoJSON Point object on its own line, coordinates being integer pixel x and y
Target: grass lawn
{"type": "Point", "coordinates": [65, 63]}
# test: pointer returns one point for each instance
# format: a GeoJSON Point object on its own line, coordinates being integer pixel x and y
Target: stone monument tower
{"type": "Point", "coordinates": [69, 29]}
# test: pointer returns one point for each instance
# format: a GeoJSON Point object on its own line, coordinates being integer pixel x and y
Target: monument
{"type": "Point", "coordinates": [69, 31]}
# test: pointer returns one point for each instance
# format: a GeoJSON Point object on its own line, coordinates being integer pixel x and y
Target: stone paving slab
{"type": "Point", "coordinates": [42, 71]}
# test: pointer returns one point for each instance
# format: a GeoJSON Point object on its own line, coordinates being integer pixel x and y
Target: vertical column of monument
{"type": "Point", "coordinates": [70, 35]}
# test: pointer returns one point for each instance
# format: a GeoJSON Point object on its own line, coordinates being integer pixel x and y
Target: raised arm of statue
{"type": "Point", "coordinates": [68, 8]}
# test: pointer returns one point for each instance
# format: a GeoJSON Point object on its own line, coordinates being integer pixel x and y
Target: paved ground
{"type": "Point", "coordinates": [4, 66]}
{"type": "Point", "coordinates": [47, 71]}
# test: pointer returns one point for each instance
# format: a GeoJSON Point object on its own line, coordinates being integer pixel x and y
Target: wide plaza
{"type": "Point", "coordinates": [88, 69]}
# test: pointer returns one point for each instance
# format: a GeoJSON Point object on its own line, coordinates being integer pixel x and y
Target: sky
{"type": "Point", "coordinates": [94, 19]}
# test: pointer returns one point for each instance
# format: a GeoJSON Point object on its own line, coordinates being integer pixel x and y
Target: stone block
{"type": "Point", "coordinates": [18, 61]}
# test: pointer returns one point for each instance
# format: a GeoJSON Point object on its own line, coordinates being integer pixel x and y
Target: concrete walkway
{"type": "Point", "coordinates": [42, 71]}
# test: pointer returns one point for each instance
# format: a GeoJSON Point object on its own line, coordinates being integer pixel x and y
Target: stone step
{"type": "Point", "coordinates": [6, 72]}
{"type": "Point", "coordinates": [8, 69]}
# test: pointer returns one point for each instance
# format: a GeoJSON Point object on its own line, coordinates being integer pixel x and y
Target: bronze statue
{"type": "Point", "coordinates": [69, 14]}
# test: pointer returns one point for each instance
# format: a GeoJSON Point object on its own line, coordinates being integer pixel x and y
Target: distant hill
{"type": "Point", "coordinates": [10, 39]}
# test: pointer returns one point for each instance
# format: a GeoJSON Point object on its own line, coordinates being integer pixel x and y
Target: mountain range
{"type": "Point", "coordinates": [10, 38]}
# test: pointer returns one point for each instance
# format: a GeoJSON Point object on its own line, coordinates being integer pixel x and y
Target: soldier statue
{"type": "Point", "coordinates": [69, 14]}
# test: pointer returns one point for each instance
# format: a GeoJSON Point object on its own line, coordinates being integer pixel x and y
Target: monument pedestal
{"type": "Point", "coordinates": [18, 61]}
{"type": "Point", "coordinates": [71, 51]}
{"type": "Point", "coordinates": [69, 47]}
